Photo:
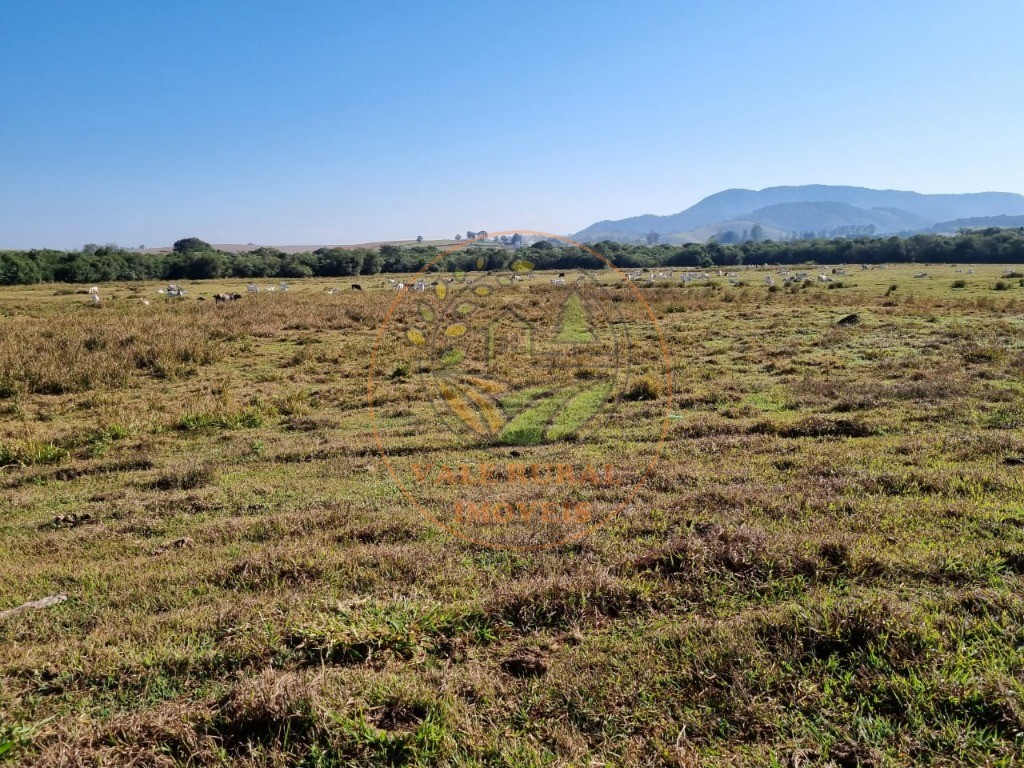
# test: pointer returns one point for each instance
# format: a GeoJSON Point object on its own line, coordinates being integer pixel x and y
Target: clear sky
{"type": "Point", "coordinates": [343, 121]}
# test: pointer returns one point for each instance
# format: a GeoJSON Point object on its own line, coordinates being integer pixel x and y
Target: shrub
{"type": "Point", "coordinates": [247, 418]}
{"type": "Point", "coordinates": [646, 387]}
{"type": "Point", "coordinates": [30, 453]}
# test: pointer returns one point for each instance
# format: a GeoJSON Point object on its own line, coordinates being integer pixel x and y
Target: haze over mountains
{"type": "Point", "coordinates": [816, 210]}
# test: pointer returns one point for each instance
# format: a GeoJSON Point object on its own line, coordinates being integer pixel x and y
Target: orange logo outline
{"type": "Point", "coordinates": [636, 486]}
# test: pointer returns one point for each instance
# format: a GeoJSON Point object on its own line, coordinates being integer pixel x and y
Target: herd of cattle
{"type": "Point", "coordinates": [643, 276]}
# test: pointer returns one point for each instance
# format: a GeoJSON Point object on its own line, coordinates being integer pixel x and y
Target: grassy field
{"type": "Point", "coordinates": [825, 567]}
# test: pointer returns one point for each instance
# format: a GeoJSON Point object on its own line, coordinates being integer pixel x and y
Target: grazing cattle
{"type": "Point", "coordinates": [94, 290]}
{"type": "Point", "coordinates": [252, 288]}
{"type": "Point", "coordinates": [557, 281]}
{"type": "Point", "coordinates": [356, 287]}
{"type": "Point", "coordinates": [220, 298]}
{"type": "Point", "coordinates": [95, 298]}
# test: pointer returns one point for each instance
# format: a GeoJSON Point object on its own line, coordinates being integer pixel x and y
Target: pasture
{"type": "Point", "coordinates": [825, 568]}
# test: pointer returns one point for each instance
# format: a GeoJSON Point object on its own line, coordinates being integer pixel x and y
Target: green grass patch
{"type": "Point", "coordinates": [574, 327]}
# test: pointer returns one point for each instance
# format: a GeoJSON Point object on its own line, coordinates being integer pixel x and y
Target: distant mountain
{"type": "Point", "coordinates": [815, 208]}
{"type": "Point", "coordinates": [977, 222]}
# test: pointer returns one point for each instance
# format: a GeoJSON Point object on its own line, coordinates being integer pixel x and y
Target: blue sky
{"type": "Point", "coordinates": [326, 121]}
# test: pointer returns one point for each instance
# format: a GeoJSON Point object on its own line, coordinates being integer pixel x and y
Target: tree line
{"type": "Point", "coordinates": [193, 259]}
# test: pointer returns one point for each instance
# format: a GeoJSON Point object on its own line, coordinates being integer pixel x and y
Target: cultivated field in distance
{"type": "Point", "coordinates": [826, 567]}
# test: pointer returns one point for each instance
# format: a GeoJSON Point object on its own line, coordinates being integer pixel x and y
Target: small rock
{"type": "Point", "coordinates": [849, 320]}
{"type": "Point", "coordinates": [35, 605]}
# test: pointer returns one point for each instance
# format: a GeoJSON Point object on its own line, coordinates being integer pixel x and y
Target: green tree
{"type": "Point", "coordinates": [191, 245]}
{"type": "Point", "coordinates": [339, 262]}
{"type": "Point", "coordinates": [373, 261]}
{"type": "Point", "coordinates": [17, 269]}
{"type": "Point", "coordinates": [205, 266]}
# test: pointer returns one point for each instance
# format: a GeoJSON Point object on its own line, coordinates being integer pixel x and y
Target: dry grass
{"type": "Point", "coordinates": [825, 568]}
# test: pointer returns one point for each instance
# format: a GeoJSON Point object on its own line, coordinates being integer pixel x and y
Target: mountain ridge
{"type": "Point", "coordinates": [810, 208]}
